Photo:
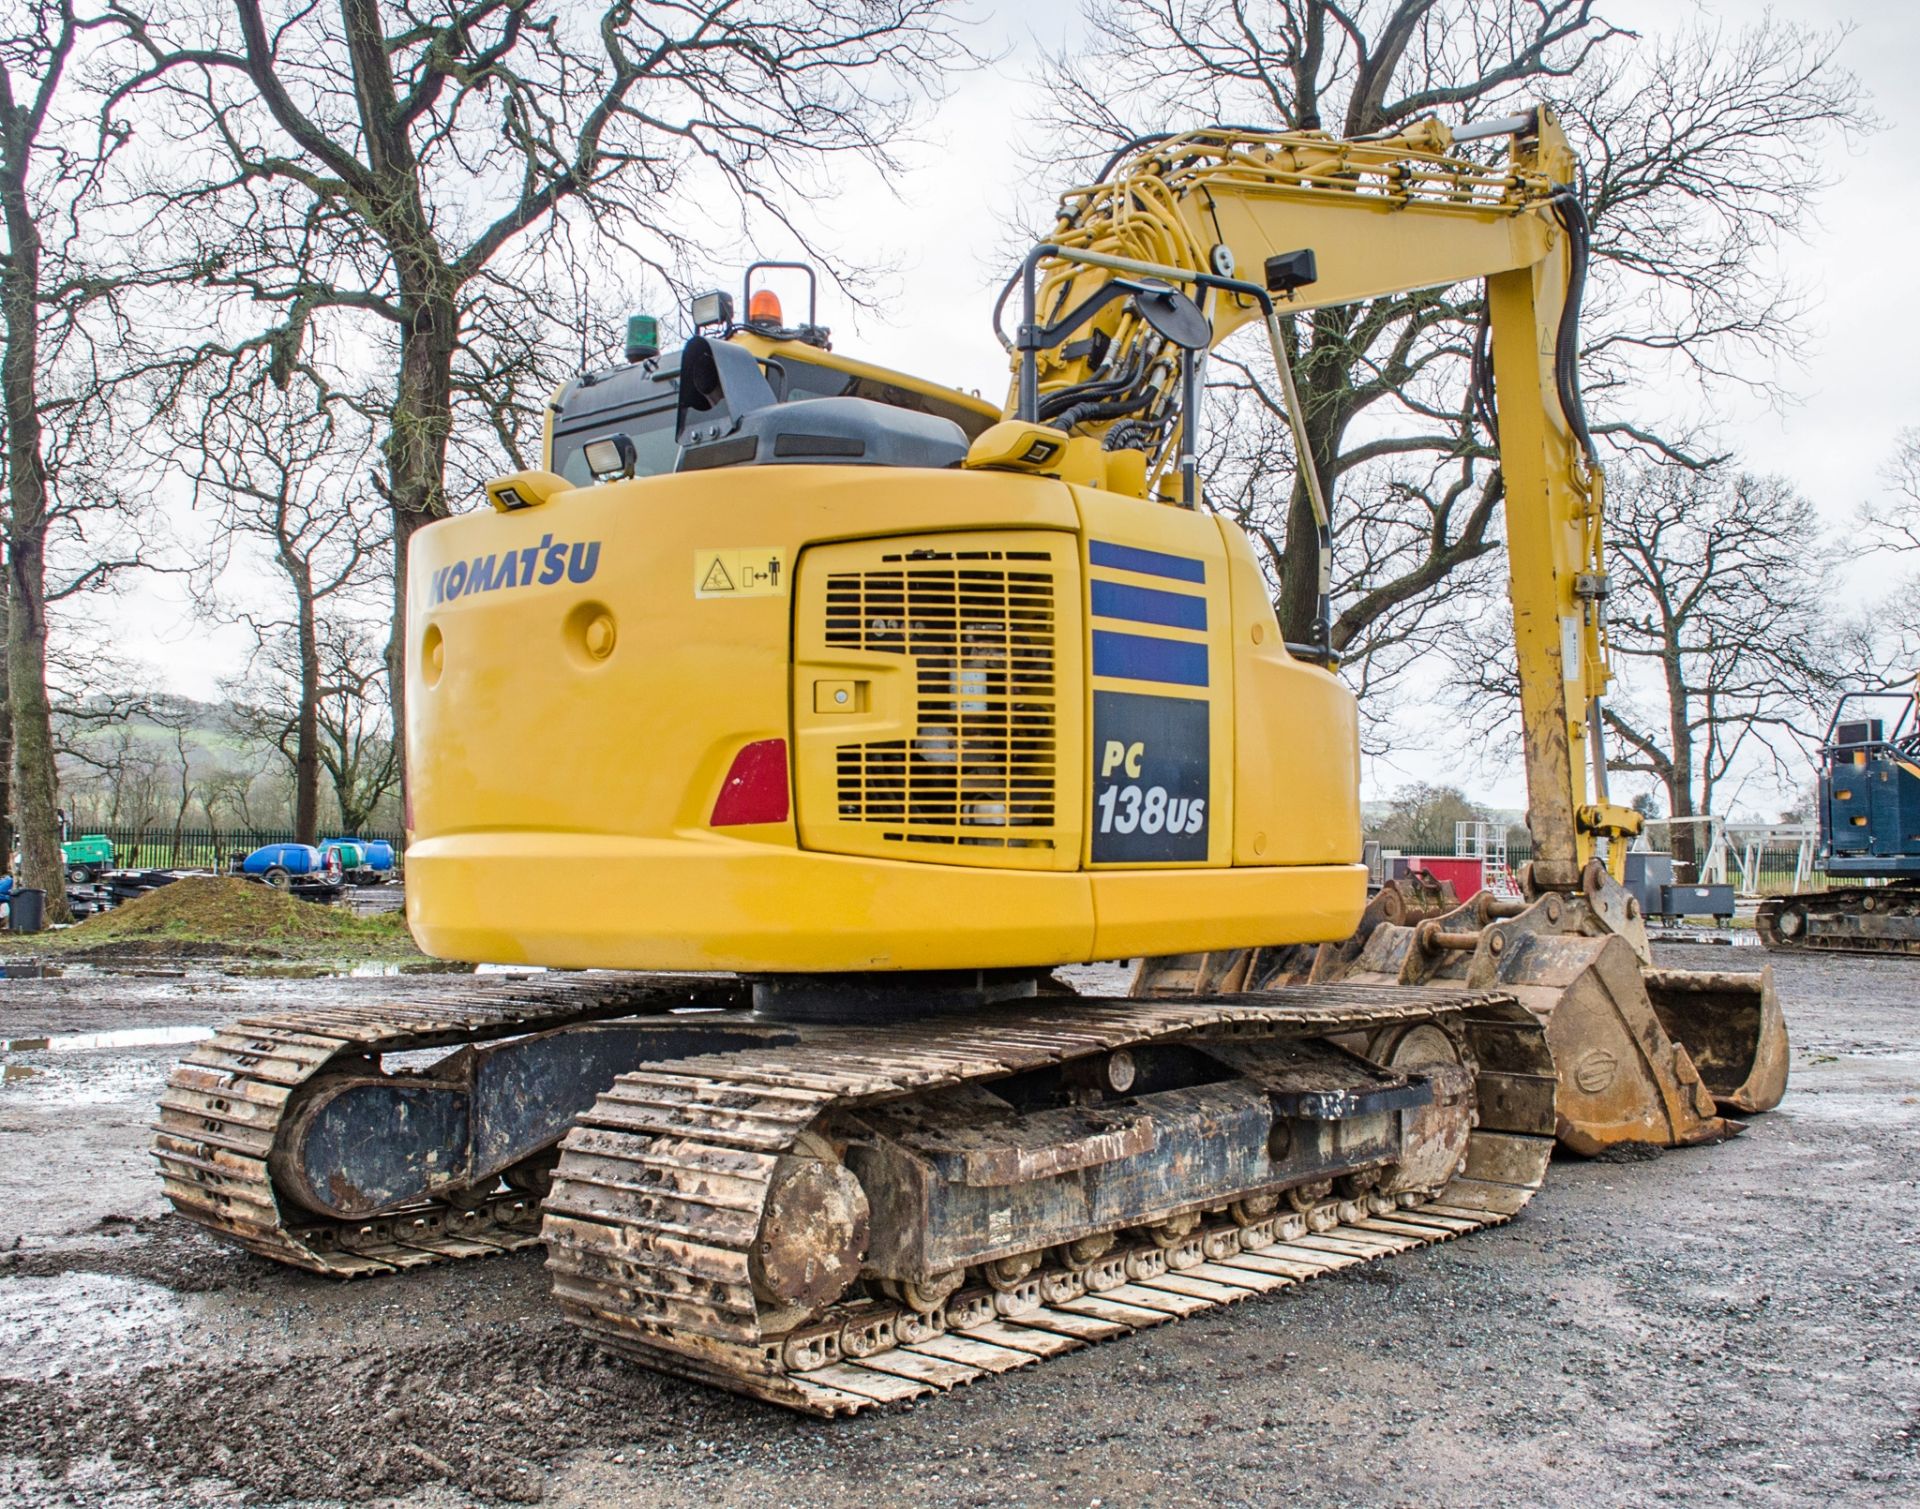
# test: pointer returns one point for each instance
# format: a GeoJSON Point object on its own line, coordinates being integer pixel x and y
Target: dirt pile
{"type": "Point", "coordinates": [233, 918]}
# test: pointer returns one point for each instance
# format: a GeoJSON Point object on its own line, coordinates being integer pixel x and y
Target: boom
{"type": "Point", "coordinates": [1379, 217]}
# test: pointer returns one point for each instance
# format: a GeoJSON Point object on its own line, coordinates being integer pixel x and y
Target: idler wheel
{"type": "Point", "coordinates": [471, 1197]}
{"type": "Point", "coordinates": [1436, 1135]}
{"type": "Point", "coordinates": [533, 1176]}
{"type": "Point", "coordinates": [813, 1230]}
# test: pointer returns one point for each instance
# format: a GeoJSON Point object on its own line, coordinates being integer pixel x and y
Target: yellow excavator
{"type": "Point", "coordinates": [803, 717]}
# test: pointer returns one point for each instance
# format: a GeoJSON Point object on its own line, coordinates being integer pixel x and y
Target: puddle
{"type": "Point", "coordinates": [93, 1321]}
{"type": "Point", "coordinates": [367, 970]}
{"type": "Point", "coordinates": [382, 969]}
{"type": "Point", "coordinates": [1705, 939]}
{"type": "Point", "coordinates": [80, 1082]}
{"type": "Point", "coordinates": [125, 1037]}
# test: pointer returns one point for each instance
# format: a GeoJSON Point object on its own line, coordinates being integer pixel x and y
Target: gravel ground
{"type": "Point", "coordinates": [1720, 1323]}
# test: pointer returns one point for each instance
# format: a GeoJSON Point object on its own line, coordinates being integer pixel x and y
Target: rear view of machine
{"type": "Point", "coordinates": [861, 710]}
{"type": "Point", "coordinates": [1869, 815]}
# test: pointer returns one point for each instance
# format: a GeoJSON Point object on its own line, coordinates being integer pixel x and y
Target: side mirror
{"type": "Point", "coordinates": [1173, 316]}
{"type": "Point", "coordinates": [719, 382]}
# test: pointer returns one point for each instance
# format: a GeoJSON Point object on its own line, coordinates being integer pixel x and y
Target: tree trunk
{"type": "Point", "coordinates": [354, 814]}
{"type": "Point", "coordinates": [6, 737]}
{"type": "Point", "coordinates": [416, 445]}
{"type": "Point", "coordinates": [1324, 388]}
{"type": "Point", "coordinates": [36, 781]}
{"type": "Point", "coordinates": [306, 747]}
{"type": "Point", "coordinates": [1680, 779]}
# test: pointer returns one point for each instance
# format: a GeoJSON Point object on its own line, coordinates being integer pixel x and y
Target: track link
{"type": "Point", "coordinates": [224, 1103]}
{"type": "Point", "coordinates": [657, 1202]}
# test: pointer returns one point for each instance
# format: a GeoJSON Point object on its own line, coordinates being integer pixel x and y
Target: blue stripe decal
{"type": "Point", "coordinates": [1148, 605]}
{"type": "Point", "coordinates": [1138, 658]}
{"type": "Point", "coordinates": [1180, 568]}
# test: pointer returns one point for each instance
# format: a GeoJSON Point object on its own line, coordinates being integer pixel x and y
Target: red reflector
{"type": "Point", "coordinates": [755, 790]}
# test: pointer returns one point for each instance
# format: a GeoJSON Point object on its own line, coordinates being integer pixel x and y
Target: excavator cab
{"type": "Point", "coordinates": [641, 400]}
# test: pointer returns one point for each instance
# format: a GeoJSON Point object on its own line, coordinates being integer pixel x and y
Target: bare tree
{"type": "Point", "coordinates": [1891, 523]}
{"type": "Point", "coordinates": [283, 470]}
{"type": "Point", "coordinates": [357, 745]}
{"type": "Point", "coordinates": [1903, 475]}
{"type": "Point", "coordinates": [179, 718]}
{"type": "Point", "coordinates": [36, 181]}
{"type": "Point", "coordinates": [1724, 629]}
{"type": "Point", "coordinates": [1420, 819]}
{"type": "Point", "coordinates": [353, 741]}
{"type": "Point", "coordinates": [1702, 151]}
{"type": "Point", "coordinates": [6, 742]}
{"type": "Point", "coordinates": [1727, 638]}
{"type": "Point", "coordinates": [404, 169]}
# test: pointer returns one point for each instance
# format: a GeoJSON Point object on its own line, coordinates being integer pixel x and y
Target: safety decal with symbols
{"type": "Point", "coordinates": [1150, 778]}
{"type": "Point", "coordinates": [733, 571]}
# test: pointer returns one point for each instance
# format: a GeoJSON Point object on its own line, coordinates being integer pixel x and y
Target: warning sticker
{"type": "Point", "coordinates": [740, 572]}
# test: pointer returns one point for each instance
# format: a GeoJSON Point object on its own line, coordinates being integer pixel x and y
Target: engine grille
{"type": "Point", "coordinates": [980, 630]}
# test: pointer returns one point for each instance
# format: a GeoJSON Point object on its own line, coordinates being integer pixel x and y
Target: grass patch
{"type": "Point", "coordinates": [218, 916]}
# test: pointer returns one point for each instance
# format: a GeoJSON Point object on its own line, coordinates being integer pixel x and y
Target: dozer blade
{"type": "Point", "coordinates": [1642, 1055]}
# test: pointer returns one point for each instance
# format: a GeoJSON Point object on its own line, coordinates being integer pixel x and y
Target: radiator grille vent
{"type": "Point", "coordinates": [980, 767]}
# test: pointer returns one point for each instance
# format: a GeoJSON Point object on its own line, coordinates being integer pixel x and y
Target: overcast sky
{"type": "Point", "coordinates": [943, 225]}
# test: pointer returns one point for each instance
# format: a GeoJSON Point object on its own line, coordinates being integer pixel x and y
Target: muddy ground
{"type": "Point", "coordinates": [1731, 1323]}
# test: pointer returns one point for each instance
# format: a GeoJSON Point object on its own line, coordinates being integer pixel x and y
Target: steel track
{"type": "Point", "coordinates": [659, 1191]}
{"type": "Point", "coordinates": [223, 1106]}
{"type": "Point", "coordinates": [1873, 917]}
{"type": "Point", "coordinates": [657, 1200]}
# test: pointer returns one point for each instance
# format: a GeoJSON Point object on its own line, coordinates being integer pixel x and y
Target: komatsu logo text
{"type": "Point", "coordinates": [538, 565]}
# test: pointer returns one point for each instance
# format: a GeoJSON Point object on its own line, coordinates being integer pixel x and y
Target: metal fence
{"type": "Point", "coordinates": [158, 846]}
{"type": "Point", "coordinates": [1757, 862]}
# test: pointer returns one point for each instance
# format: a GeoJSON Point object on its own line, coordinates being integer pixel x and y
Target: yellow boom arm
{"type": "Point", "coordinates": [1383, 216]}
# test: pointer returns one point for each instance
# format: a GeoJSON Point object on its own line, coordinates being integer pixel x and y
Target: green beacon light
{"type": "Point", "coordinates": [643, 337]}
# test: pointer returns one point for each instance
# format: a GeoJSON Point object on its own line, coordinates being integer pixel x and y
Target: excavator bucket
{"type": "Point", "coordinates": [1642, 1055]}
{"type": "Point", "coordinates": [1732, 1026]}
